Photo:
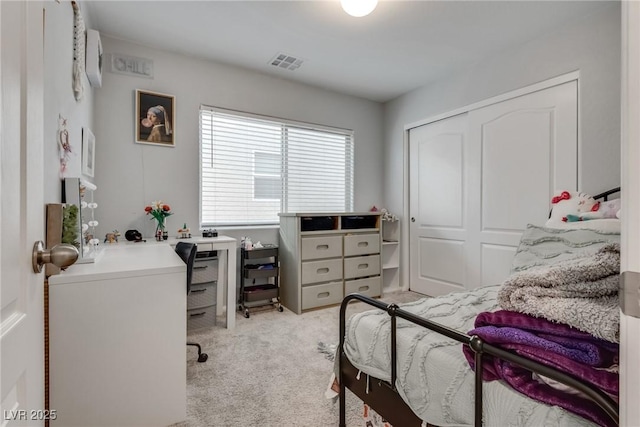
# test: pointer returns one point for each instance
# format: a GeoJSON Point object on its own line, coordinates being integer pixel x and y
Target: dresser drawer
{"type": "Point", "coordinates": [362, 266]}
{"type": "Point", "coordinates": [201, 317]}
{"type": "Point", "coordinates": [321, 247]}
{"type": "Point", "coordinates": [202, 295]}
{"type": "Point", "coordinates": [205, 271]}
{"type": "Point", "coordinates": [321, 295]}
{"type": "Point", "coordinates": [371, 286]}
{"type": "Point", "coordinates": [361, 244]}
{"type": "Point", "coordinates": [326, 270]}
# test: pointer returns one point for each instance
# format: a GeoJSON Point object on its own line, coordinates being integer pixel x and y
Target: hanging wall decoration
{"type": "Point", "coordinates": [154, 117]}
{"type": "Point", "coordinates": [64, 146]}
{"type": "Point", "coordinates": [78, 52]}
{"type": "Point", "coordinates": [88, 152]}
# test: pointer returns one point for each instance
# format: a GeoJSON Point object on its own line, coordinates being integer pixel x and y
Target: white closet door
{"type": "Point", "coordinates": [513, 155]}
{"type": "Point", "coordinates": [438, 153]}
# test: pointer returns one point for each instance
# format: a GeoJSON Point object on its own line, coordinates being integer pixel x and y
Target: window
{"type": "Point", "coordinates": [254, 167]}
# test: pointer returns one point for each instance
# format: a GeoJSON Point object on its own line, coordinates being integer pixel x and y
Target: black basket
{"type": "Point", "coordinates": [316, 223]}
{"type": "Point", "coordinates": [356, 222]}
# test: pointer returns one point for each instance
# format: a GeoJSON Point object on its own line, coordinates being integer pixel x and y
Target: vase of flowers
{"type": "Point", "coordinates": [159, 211]}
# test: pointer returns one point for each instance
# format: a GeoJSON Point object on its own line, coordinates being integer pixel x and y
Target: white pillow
{"type": "Point", "coordinates": [610, 208]}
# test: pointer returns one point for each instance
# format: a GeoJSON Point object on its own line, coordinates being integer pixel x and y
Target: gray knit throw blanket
{"type": "Point", "coordinates": [580, 292]}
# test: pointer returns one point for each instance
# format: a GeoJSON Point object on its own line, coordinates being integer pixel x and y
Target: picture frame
{"type": "Point", "coordinates": [155, 118]}
{"type": "Point", "coordinates": [88, 152]}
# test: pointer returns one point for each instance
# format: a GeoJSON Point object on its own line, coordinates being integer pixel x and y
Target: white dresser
{"type": "Point", "coordinates": [117, 336]}
{"type": "Point", "coordinates": [324, 257]}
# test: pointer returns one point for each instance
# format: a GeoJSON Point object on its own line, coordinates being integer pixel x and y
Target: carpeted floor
{"type": "Point", "coordinates": [271, 370]}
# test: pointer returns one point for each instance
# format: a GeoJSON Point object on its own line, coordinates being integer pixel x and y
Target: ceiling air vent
{"type": "Point", "coordinates": [286, 62]}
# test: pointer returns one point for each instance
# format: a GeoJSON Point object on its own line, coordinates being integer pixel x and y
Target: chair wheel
{"type": "Point", "coordinates": [280, 309]}
{"type": "Point", "coordinates": [203, 357]}
{"type": "Point", "coordinates": [246, 314]}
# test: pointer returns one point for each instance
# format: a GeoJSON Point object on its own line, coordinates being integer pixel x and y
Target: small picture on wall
{"type": "Point", "coordinates": [88, 152]}
{"type": "Point", "coordinates": [155, 118]}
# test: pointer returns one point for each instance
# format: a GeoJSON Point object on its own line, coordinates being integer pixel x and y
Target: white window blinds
{"type": "Point", "coordinates": [254, 167]}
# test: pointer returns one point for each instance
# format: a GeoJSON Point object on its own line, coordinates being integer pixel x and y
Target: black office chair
{"type": "Point", "coordinates": [187, 251]}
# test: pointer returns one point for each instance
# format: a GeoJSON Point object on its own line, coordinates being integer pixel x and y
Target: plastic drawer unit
{"type": "Point", "coordinates": [201, 301]}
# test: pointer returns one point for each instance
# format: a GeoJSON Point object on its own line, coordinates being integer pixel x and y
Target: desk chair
{"type": "Point", "coordinates": [187, 251]}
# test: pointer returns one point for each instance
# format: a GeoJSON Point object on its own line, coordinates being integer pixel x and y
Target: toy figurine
{"type": "Point", "coordinates": [184, 232]}
{"type": "Point", "coordinates": [112, 237]}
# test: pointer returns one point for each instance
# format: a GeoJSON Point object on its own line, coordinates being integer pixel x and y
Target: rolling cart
{"type": "Point", "coordinates": [259, 283]}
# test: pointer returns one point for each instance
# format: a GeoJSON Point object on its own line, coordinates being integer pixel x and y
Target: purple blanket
{"type": "Point", "coordinates": [553, 344]}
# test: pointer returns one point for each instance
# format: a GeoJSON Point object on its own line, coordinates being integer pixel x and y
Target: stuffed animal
{"type": "Point", "coordinates": [571, 206]}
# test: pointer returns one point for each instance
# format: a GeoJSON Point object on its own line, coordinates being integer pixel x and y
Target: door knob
{"type": "Point", "coordinates": [413, 219]}
{"type": "Point", "coordinates": [62, 255]}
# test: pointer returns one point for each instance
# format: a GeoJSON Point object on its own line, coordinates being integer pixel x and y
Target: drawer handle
{"type": "Point", "coordinates": [324, 294]}
{"type": "Point", "coordinates": [196, 291]}
{"type": "Point", "coordinates": [198, 314]}
{"type": "Point", "coordinates": [200, 267]}
{"type": "Point", "coordinates": [323, 270]}
{"type": "Point", "coordinates": [363, 288]}
{"type": "Point", "coordinates": [363, 266]}
{"type": "Point", "coordinates": [363, 244]}
{"type": "Point", "coordinates": [322, 247]}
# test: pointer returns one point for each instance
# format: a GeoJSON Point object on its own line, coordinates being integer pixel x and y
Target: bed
{"type": "Point", "coordinates": [445, 361]}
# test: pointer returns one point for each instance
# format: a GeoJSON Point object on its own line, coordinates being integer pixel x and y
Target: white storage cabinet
{"type": "Point", "coordinates": [327, 256]}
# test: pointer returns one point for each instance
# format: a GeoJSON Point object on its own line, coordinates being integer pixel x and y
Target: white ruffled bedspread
{"type": "Point", "coordinates": [433, 376]}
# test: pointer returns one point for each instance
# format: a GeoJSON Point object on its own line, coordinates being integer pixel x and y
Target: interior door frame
{"type": "Point", "coordinates": [406, 217]}
{"type": "Point", "coordinates": [630, 214]}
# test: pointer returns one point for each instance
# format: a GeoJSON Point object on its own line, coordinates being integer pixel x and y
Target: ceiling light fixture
{"type": "Point", "coordinates": [358, 8]}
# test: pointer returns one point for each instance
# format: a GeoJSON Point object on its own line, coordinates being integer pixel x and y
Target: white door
{"type": "Point", "coordinates": [21, 213]}
{"type": "Point", "coordinates": [438, 227]}
{"type": "Point", "coordinates": [477, 180]}
{"type": "Point", "coordinates": [630, 244]}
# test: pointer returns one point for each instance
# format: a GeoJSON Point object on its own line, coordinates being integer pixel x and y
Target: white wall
{"type": "Point", "coordinates": [130, 175]}
{"type": "Point", "coordinates": [59, 98]}
{"type": "Point", "coordinates": [591, 45]}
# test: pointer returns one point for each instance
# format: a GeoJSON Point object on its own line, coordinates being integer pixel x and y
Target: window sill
{"type": "Point", "coordinates": [243, 227]}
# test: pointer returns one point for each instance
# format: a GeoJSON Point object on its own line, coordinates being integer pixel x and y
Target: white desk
{"type": "Point", "coordinates": [227, 260]}
{"type": "Point", "coordinates": [117, 335]}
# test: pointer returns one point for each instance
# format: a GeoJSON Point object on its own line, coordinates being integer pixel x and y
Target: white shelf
{"type": "Point", "coordinates": [390, 255]}
{"type": "Point", "coordinates": [391, 278]}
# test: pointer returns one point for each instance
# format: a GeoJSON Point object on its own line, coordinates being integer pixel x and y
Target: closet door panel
{"type": "Point", "coordinates": [441, 162]}
{"type": "Point", "coordinates": [522, 150]}
{"type": "Point", "coordinates": [441, 260]}
{"type": "Point", "coordinates": [477, 179]}
{"type": "Point", "coordinates": [524, 160]}
{"type": "Point", "coordinates": [437, 226]}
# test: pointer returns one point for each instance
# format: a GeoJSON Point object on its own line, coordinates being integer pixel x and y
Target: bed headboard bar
{"type": "Point", "coordinates": [606, 194]}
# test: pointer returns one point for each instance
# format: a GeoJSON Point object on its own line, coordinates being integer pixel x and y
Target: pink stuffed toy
{"type": "Point", "coordinates": [570, 206]}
